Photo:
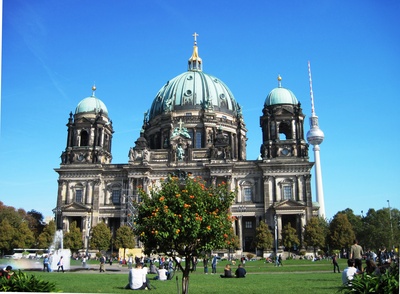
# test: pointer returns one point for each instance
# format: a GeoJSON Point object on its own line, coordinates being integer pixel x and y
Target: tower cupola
{"type": "Point", "coordinates": [89, 133]}
{"type": "Point", "coordinates": [282, 126]}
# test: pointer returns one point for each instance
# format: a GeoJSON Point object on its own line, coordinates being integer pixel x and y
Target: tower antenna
{"type": "Point", "coordinates": [311, 91]}
{"type": "Point", "coordinates": [315, 137]}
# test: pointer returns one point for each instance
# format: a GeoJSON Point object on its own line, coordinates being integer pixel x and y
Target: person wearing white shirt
{"type": "Point", "coordinates": [162, 274]}
{"type": "Point", "coordinates": [349, 272]}
{"type": "Point", "coordinates": [137, 278]}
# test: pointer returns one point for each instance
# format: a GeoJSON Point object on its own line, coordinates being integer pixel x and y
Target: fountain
{"type": "Point", "coordinates": [57, 251]}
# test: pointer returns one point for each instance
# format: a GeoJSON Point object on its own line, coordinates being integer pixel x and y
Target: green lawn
{"type": "Point", "coordinates": [296, 276]}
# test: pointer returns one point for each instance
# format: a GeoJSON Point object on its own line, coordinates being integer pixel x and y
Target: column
{"type": "Point", "coordinates": [240, 226]}
{"type": "Point", "coordinates": [266, 192]}
{"type": "Point", "coordinates": [279, 226]}
{"type": "Point", "coordinates": [293, 129]}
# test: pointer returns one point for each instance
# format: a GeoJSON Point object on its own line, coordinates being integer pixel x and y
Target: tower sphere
{"type": "Point", "coordinates": [315, 136]}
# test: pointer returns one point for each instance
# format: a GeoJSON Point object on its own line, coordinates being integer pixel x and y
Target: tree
{"type": "Point", "coordinates": [46, 238]}
{"type": "Point", "coordinates": [23, 237]}
{"type": "Point", "coordinates": [125, 238]}
{"type": "Point", "coordinates": [184, 217]}
{"type": "Point", "coordinates": [315, 233]}
{"type": "Point", "coordinates": [6, 236]}
{"type": "Point", "coordinates": [232, 242]}
{"type": "Point", "coordinates": [341, 234]}
{"type": "Point", "coordinates": [13, 216]}
{"type": "Point", "coordinates": [35, 222]}
{"type": "Point", "coordinates": [289, 236]}
{"type": "Point", "coordinates": [378, 229]}
{"type": "Point", "coordinates": [101, 237]}
{"type": "Point", "coordinates": [73, 238]}
{"type": "Point", "coordinates": [264, 239]}
{"type": "Point", "coordinates": [355, 221]}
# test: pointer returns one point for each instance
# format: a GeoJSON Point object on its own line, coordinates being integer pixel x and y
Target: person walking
{"type": "Point", "coordinates": [356, 253]}
{"type": "Point", "coordinates": [214, 265]}
{"type": "Point", "coordinates": [205, 265]}
{"type": "Point", "coordinates": [60, 264]}
{"type": "Point", "coordinates": [102, 263]}
{"type": "Point", "coordinates": [46, 264]}
{"type": "Point", "coordinates": [130, 262]}
{"type": "Point", "coordinates": [335, 263]}
{"type": "Point", "coordinates": [278, 260]}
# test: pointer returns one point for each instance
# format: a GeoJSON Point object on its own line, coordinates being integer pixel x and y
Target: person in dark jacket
{"type": "Point", "coordinates": [227, 272]}
{"type": "Point", "coordinates": [240, 272]}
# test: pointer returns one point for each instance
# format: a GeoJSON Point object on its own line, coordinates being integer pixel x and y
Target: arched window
{"type": "Point", "coordinates": [116, 196]}
{"type": "Point", "coordinates": [199, 136]}
{"type": "Point", "coordinates": [79, 192]}
{"type": "Point", "coordinates": [115, 191]}
{"type": "Point", "coordinates": [286, 189]}
{"type": "Point", "coordinates": [285, 131]}
{"type": "Point", "coordinates": [78, 195]}
{"type": "Point", "coordinates": [84, 138]}
{"type": "Point", "coordinates": [247, 191]}
{"type": "Point", "coordinates": [99, 133]}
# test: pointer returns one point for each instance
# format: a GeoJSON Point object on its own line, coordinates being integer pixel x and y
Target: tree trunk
{"type": "Point", "coordinates": [185, 278]}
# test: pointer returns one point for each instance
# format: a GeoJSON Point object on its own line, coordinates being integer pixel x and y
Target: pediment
{"type": "Point", "coordinates": [180, 139]}
{"type": "Point", "coordinates": [288, 205]}
{"type": "Point", "coordinates": [75, 206]}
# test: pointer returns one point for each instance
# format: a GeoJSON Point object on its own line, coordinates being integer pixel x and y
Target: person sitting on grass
{"type": "Point", "coordinates": [162, 274]}
{"type": "Point", "coordinates": [137, 279]}
{"type": "Point", "coordinates": [240, 272]}
{"type": "Point", "coordinates": [371, 267]}
{"type": "Point", "coordinates": [349, 272]}
{"type": "Point", "coordinates": [227, 272]}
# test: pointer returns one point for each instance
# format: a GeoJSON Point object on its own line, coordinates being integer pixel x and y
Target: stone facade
{"type": "Point", "coordinates": [206, 138]}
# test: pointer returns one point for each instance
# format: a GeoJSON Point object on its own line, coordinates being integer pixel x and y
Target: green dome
{"type": "Point", "coordinates": [91, 104]}
{"type": "Point", "coordinates": [281, 96]}
{"type": "Point", "coordinates": [193, 90]}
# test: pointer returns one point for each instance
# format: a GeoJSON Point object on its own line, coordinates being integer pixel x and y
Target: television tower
{"type": "Point", "coordinates": [315, 137]}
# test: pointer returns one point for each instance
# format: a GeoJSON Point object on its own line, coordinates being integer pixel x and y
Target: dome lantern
{"type": "Point", "coordinates": [195, 62]}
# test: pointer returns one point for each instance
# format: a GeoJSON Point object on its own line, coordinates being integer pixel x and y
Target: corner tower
{"type": "Point", "coordinates": [282, 126]}
{"type": "Point", "coordinates": [89, 133]}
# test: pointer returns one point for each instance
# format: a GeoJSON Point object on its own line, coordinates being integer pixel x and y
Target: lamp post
{"type": "Point", "coordinates": [276, 237]}
{"type": "Point", "coordinates": [87, 236]}
{"type": "Point", "coordinates": [241, 208]}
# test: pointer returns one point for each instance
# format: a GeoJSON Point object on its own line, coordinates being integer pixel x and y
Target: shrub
{"type": "Point", "coordinates": [385, 283]}
{"type": "Point", "coordinates": [21, 282]}
{"type": "Point", "coordinates": [249, 256]}
{"type": "Point", "coordinates": [25, 254]}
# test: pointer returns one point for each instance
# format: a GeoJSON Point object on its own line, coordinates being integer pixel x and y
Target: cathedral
{"type": "Point", "coordinates": [194, 125]}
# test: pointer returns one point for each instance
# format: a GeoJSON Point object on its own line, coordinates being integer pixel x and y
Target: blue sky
{"type": "Point", "coordinates": [54, 51]}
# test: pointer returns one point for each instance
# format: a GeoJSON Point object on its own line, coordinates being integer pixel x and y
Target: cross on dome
{"type": "Point", "coordinates": [195, 35]}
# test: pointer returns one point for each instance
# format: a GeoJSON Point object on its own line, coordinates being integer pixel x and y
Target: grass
{"type": "Point", "coordinates": [296, 276]}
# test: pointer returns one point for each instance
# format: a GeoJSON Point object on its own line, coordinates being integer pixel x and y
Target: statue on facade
{"type": "Point", "coordinates": [180, 153]}
{"type": "Point", "coordinates": [146, 155]}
